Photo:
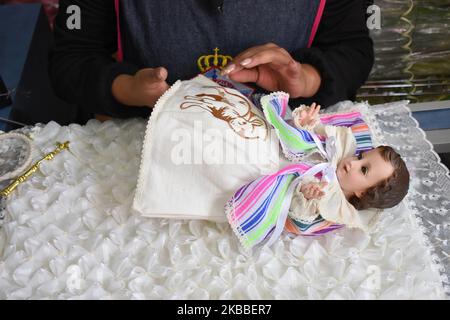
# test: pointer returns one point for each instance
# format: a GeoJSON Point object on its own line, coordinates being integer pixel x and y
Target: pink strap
{"type": "Point", "coordinates": [316, 22]}
{"type": "Point", "coordinates": [119, 37]}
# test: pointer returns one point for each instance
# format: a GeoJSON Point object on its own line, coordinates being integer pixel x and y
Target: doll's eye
{"type": "Point", "coordinates": [364, 170]}
{"type": "Point", "coordinates": [359, 156]}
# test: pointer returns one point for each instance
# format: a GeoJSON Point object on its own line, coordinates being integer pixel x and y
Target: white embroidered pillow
{"type": "Point", "coordinates": [202, 143]}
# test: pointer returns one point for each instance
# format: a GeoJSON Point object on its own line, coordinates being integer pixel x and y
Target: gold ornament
{"type": "Point", "coordinates": [13, 185]}
{"type": "Point", "coordinates": [204, 62]}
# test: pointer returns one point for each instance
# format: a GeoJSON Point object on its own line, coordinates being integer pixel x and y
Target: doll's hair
{"type": "Point", "coordinates": [389, 192]}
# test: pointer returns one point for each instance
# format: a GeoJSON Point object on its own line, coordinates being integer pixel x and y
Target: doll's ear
{"type": "Point", "coordinates": [359, 194]}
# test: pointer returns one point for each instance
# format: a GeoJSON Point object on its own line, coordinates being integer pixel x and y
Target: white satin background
{"type": "Point", "coordinates": [69, 233]}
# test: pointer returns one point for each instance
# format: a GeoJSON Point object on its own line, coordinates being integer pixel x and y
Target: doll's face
{"type": "Point", "coordinates": [359, 173]}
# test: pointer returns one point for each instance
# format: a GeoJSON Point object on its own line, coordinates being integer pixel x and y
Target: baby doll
{"type": "Point", "coordinates": [373, 179]}
{"type": "Point", "coordinates": [334, 190]}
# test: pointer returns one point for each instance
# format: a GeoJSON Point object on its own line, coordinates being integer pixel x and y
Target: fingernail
{"type": "Point", "coordinates": [161, 73]}
{"type": "Point", "coordinates": [246, 61]}
{"type": "Point", "coordinates": [228, 69]}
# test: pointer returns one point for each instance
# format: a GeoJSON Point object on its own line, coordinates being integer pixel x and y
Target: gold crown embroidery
{"type": "Point", "coordinates": [204, 62]}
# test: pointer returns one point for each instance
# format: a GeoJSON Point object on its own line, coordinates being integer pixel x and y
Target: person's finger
{"type": "Point", "coordinates": [294, 69]}
{"type": "Point", "coordinates": [244, 75]}
{"type": "Point", "coordinates": [274, 55]}
{"type": "Point", "coordinates": [229, 68]}
{"type": "Point", "coordinates": [151, 75]}
{"type": "Point", "coordinates": [161, 73]}
{"type": "Point", "coordinates": [235, 65]}
{"type": "Point", "coordinates": [252, 51]}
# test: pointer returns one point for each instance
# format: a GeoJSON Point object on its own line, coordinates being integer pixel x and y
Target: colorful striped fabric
{"type": "Point", "coordinates": [254, 209]}
{"type": "Point", "coordinates": [316, 228]}
{"type": "Point", "coordinates": [257, 208]}
{"type": "Point", "coordinates": [355, 121]}
{"type": "Point", "coordinates": [296, 142]}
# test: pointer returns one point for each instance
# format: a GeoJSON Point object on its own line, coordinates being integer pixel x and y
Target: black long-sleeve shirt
{"type": "Point", "coordinates": [82, 67]}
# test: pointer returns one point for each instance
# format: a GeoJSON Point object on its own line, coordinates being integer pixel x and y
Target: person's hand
{"type": "Point", "coordinates": [142, 89]}
{"type": "Point", "coordinates": [313, 190]}
{"type": "Point", "coordinates": [306, 117]}
{"type": "Point", "coordinates": [273, 68]}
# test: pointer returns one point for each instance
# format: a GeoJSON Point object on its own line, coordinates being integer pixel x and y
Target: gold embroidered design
{"type": "Point", "coordinates": [204, 62]}
{"type": "Point", "coordinates": [239, 116]}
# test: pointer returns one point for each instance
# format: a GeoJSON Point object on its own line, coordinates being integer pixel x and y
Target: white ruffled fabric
{"type": "Point", "coordinates": [70, 233]}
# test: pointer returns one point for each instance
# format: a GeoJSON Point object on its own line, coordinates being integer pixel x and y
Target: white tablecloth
{"type": "Point", "coordinates": [69, 232]}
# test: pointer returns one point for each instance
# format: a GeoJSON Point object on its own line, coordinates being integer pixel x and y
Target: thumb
{"type": "Point", "coordinates": [161, 73]}
{"type": "Point", "coordinates": [244, 75]}
{"type": "Point", "coordinates": [154, 75]}
{"type": "Point", "coordinates": [294, 69]}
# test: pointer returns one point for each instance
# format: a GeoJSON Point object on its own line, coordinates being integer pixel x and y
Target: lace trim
{"type": "Point", "coordinates": [424, 221]}
{"type": "Point", "coordinates": [148, 139]}
{"type": "Point", "coordinates": [25, 157]}
{"type": "Point", "coordinates": [237, 230]}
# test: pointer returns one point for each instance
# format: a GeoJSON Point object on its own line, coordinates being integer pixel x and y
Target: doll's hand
{"type": "Point", "coordinates": [306, 117]}
{"type": "Point", "coordinates": [313, 190]}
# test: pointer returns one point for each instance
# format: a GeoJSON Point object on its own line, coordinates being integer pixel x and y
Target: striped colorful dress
{"type": "Point", "coordinates": [258, 211]}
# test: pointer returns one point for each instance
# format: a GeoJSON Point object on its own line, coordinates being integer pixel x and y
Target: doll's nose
{"type": "Point", "coordinates": [348, 166]}
{"type": "Point", "coordinates": [353, 164]}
